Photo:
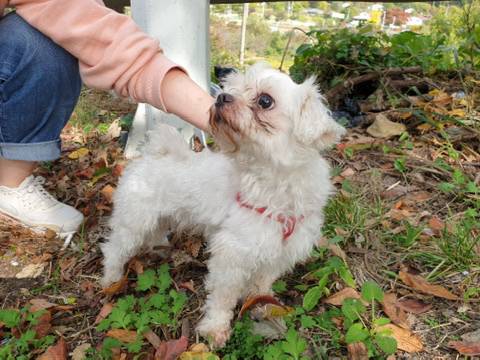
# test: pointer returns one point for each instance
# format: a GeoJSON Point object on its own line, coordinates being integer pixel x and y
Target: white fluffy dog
{"type": "Point", "coordinates": [258, 202]}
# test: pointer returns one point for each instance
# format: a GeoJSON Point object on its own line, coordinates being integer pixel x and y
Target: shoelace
{"type": "Point", "coordinates": [35, 195]}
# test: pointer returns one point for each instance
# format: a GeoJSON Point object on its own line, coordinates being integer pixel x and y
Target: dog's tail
{"type": "Point", "coordinates": [166, 140]}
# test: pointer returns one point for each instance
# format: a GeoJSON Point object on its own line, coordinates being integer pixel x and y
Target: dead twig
{"type": "Point", "coordinates": [340, 89]}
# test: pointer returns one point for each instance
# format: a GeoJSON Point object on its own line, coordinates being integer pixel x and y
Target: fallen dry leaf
{"type": "Point", "coordinates": [383, 128]}
{"type": "Point", "coordinates": [86, 173]}
{"type": "Point", "coordinates": [118, 170]}
{"type": "Point", "coordinates": [347, 172]}
{"type": "Point", "coordinates": [43, 325]}
{"type": "Point", "coordinates": [420, 196]}
{"type": "Point", "coordinates": [399, 215]}
{"type": "Point", "coordinates": [357, 351]}
{"type": "Point", "coordinates": [406, 340]}
{"type": "Point", "coordinates": [31, 271]}
{"type": "Point", "coordinates": [393, 311]}
{"type": "Point", "coordinates": [171, 350]}
{"type": "Point", "coordinates": [116, 287]}
{"type": "Point", "coordinates": [113, 131]}
{"type": "Point", "coordinates": [414, 306]}
{"type": "Point", "coordinates": [77, 154]}
{"type": "Point", "coordinates": [152, 338]}
{"type": "Point", "coordinates": [107, 193]}
{"type": "Point", "coordinates": [188, 285]}
{"type": "Point", "coordinates": [419, 283]}
{"type": "Point", "coordinates": [465, 347]}
{"type": "Point", "coordinates": [333, 248]}
{"type": "Point", "coordinates": [136, 265]}
{"type": "Point", "coordinates": [126, 336]}
{"type": "Point", "coordinates": [346, 293]}
{"type": "Point", "coordinates": [473, 336]}
{"type": "Point", "coordinates": [55, 352]}
{"type": "Point", "coordinates": [271, 329]}
{"type": "Point", "coordinates": [79, 353]}
{"type": "Point", "coordinates": [198, 352]}
{"type": "Point", "coordinates": [424, 127]}
{"type": "Point", "coordinates": [255, 300]}
{"type": "Point", "coordinates": [276, 311]}
{"type": "Point", "coordinates": [193, 246]}
{"type": "Point", "coordinates": [40, 304]}
{"type": "Point", "coordinates": [104, 312]}
{"type": "Point", "coordinates": [436, 224]}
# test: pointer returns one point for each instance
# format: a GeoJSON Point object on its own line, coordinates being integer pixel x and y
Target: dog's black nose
{"type": "Point", "coordinates": [223, 98]}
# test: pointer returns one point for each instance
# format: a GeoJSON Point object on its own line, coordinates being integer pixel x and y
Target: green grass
{"type": "Point", "coordinates": [349, 213]}
{"type": "Point", "coordinates": [89, 115]}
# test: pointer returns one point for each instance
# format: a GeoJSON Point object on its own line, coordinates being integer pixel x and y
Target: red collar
{"type": "Point", "coordinates": [288, 222]}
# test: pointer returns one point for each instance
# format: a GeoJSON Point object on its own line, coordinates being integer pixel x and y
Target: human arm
{"type": "Point", "coordinates": [114, 53]}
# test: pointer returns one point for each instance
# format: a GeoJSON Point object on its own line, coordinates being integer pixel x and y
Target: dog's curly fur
{"type": "Point", "coordinates": [271, 158]}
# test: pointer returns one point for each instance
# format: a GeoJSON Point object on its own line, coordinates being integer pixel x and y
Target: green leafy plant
{"type": "Point", "coordinates": [334, 55]}
{"type": "Point", "coordinates": [376, 339]}
{"type": "Point", "coordinates": [159, 306]}
{"type": "Point", "coordinates": [333, 266]}
{"type": "Point", "coordinates": [20, 337]}
{"type": "Point", "coordinates": [291, 348]}
{"type": "Point", "coordinates": [409, 236]}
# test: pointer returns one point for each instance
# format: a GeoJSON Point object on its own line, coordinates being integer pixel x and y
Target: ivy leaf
{"type": "Point", "coordinates": [387, 344]}
{"type": "Point", "coordinates": [311, 298]}
{"type": "Point", "coordinates": [371, 291]}
{"type": "Point", "coordinates": [146, 280]}
{"type": "Point", "coordinates": [356, 333]}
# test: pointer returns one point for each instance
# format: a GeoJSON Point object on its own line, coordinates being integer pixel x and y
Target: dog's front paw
{"type": "Point", "coordinates": [217, 333]}
{"type": "Point", "coordinates": [110, 277]}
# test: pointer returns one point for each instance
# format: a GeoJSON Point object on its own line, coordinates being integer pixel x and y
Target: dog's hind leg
{"type": "Point", "coordinates": [262, 281]}
{"type": "Point", "coordinates": [158, 240]}
{"type": "Point", "coordinates": [125, 241]}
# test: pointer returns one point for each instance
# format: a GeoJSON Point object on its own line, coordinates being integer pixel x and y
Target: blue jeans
{"type": "Point", "coordinates": [39, 87]}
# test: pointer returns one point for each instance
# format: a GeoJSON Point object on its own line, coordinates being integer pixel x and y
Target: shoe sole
{"type": "Point", "coordinates": [39, 227]}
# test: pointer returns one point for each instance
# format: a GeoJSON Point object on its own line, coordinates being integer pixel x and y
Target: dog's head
{"type": "Point", "coordinates": [264, 114]}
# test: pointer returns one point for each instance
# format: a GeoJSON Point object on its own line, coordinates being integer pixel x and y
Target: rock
{"type": "Point", "coordinates": [384, 128]}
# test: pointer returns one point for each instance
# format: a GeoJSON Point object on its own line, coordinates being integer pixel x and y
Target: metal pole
{"type": "Point", "coordinates": [243, 34]}
{"type": "Point", "coordinates": [181, 26]}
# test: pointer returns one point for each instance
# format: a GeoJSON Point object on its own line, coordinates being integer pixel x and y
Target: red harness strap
{"type": "Point", "coordinates": [288, 222]}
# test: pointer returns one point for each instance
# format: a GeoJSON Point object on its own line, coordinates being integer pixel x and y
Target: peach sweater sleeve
{"type": "Point", "coordinates": [113, 52]}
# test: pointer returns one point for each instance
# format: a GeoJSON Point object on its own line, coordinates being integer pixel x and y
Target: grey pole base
{"type": "Point", "coordinates": [181, 26]}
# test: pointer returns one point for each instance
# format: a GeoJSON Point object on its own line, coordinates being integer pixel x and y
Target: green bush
{"type": "Point", "coordinates": [334, 55]}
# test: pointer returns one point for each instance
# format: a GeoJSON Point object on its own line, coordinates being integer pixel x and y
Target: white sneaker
{"type": "Point", "coordinates": [32, 205]}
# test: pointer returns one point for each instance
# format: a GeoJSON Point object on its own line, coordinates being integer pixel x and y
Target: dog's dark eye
{"type": "Point", "coordinates": [265, 101]}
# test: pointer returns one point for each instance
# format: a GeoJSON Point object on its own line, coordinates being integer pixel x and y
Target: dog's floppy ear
{"type": "Point", "coordinates": [314, 125]}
